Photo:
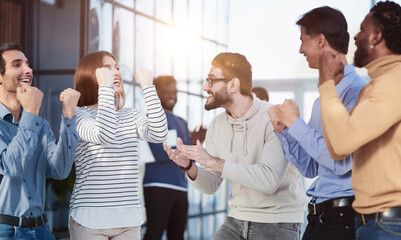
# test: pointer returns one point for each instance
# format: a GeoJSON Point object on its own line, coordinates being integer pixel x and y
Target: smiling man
{"type": "Point", "coordinates": [372, 129]}
{"type": "Point", "coordinates": [28, 150]}
{"type": "Point", "coordinates": [267, 199]}
{"type": "Point", "coordinates": [330, 213]}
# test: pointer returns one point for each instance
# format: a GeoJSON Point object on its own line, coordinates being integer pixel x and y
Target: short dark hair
{"type": "Point", "coordinates": [331, 23]}
{"type": "Point", "coordinates": [387, 17]}
{"type": "Point", "coordinates": [7, 47]}
{"type": "Point", "coordinates": [235, 65]}
{"type": "Point", "coordinates": [261, 93]}
{"type": "Point", "coordinates": [162, 81]}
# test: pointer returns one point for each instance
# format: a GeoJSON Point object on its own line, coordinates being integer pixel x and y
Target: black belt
{"type": "Point", "coordinates": [317, 209]}
{"type": "Point", "coordinates": [23, 221]}
{"type": "Point", "coordinates": [394, 212]}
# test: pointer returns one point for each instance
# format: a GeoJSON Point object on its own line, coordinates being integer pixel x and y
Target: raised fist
{"type": "Point", "coordinates": [70, 98]}
{"type": "Point", "coordinates": [145, 78]}
{"type": "Point", "coordinates": [30, 98]}
{"type": "Point", "coordinates": [104, 76]}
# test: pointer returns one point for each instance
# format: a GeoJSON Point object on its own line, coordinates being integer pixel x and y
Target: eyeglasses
{"type": "Point", "coordinates": [211, 81]}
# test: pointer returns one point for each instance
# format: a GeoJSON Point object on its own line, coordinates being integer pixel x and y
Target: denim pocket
{"type": "Point", "coordinates": [392, 226]}
{"type": "Point", "coordinates": [289, 226]}
{"type": "Point", "coordinates": [7, 232]}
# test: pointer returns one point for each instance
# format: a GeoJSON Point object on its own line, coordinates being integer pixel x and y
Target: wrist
{"type": "Point", "coordinates": [33, 111]}
{"type": "Point", "coordinates": [191, 162]}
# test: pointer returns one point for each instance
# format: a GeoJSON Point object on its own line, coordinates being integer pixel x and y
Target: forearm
{"type": "Point", "coordinates": [154, 128]}
{"type": "Point", "coordinates": [314, 145]}
{"type": "Point", "coordinates": [295, 154]}
{"type": "Point", "coordinates": [102, 129]}
{"type": "Point", "coordinates": [205, 180]}
{"type": "Point", "coordinates": [61, 155]}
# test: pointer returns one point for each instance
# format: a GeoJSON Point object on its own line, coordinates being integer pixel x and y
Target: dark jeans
{"type": "Point", "coordinates": [166, 209]}
{"type": "Point", "coordinates": [389, 229]}
{"type": "Point", "coordinates": [333, 224]}
{"type": "Point", "coordinates": [234, 229]}
{"type": "Point", "coordinates": [12, 232]}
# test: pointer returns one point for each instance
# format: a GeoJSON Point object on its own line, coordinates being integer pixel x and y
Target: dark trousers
{"type": "Point", "coordinates": [333, 224]}
{"type": "Point", "coordinates": [166, 209]}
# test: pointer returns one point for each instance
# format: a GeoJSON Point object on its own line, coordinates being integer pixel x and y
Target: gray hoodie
{"type": "Point", "coordinates": [266, 188]}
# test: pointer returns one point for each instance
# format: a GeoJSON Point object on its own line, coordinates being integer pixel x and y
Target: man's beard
{"type": "Point", "coordinates": [219, 98]}
{"type": "Point", "coordinates": [361, 53]}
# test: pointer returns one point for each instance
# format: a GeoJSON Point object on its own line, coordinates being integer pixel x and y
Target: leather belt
{"type": "Point", "coordinates": [394, 212]}
{"type": "Point", "coordinates": [23, 221]}
{"type": "Point", "coordinates": [317, 209]}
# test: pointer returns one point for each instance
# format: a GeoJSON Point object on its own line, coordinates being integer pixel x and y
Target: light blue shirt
{"type": "Point", "coordinates": [305, 148]}
{"type": "Point", "coordinates": [28, 155]}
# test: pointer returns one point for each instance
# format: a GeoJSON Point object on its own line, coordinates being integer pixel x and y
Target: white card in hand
{"type": "Point", "coordinates": [171, 138]}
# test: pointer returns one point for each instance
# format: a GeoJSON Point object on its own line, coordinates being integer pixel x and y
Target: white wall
{"type": "Point", "coordinates": [266, 33]}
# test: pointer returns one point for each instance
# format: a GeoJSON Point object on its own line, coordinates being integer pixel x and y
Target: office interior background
{"type": "Point", "coordinates": [171, 37]}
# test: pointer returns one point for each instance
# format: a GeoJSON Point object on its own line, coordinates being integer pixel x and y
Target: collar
{"type": "Point", "coordinates": [381, 65]}
{"type": "Point", "coordinates": [4, 111]}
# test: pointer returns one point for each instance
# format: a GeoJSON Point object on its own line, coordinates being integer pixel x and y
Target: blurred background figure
{"type": "Point", "coordinates": [261, 93]}
{"type": "Point", "coordinates": [163, 180]}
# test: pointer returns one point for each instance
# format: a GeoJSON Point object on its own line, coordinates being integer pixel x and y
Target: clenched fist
{"type": "Point", "coordinates": [30, 98]}
{"type": "Point", "coordinates": [145, 78]}
{"type": "Point", "coordinates": [70, 98]}
{"type": "Point", "coordinates": [104, 76]}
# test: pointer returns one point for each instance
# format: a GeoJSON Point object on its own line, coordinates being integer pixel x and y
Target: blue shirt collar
{"type": "Point", "coordinates": [4, 112]}
{"type": "Point", "coordinates": [345, 82]}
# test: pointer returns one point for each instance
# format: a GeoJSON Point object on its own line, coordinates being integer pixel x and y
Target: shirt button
{"type": "Point", "coordinates": [31, 213]}
{"type": "Point", "coordinates": [68, 125]}
{"type": "Point", "coordinates": [23, 179]}
{"type": "Point", "coordinates": [37, 124]}
{"type": "Point", "coordinates": [69, 147]}
{"type": "Point", "coordinates": [29, 198]}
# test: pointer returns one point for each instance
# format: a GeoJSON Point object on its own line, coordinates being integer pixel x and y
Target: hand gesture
{"type": "Point", "coordinates": [289, 112]}
{"type": "Point", "coordinates": [70, 98]}
{"type": "Point", "coordinates": [30, 98]}
{"type": "Point", "coordinates": [196, 152]}
{"type": "Point", "coordinates": [104, 76]}
{"type": "Point", "coordinates": [176, 155]}
{"type": "Point", "coordinates": [274, 114]}
{"type": "Point", "coordinates": [145, 78]}
{"type": "Point", "coordinates": [330, 68]}
{"type": "Point", "coordinates": [199, 134]}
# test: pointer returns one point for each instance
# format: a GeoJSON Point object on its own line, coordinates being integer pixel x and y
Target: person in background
{"type": "Point", "coordinates": [28, 150]}
{"type": "Point", "coordinates": [331, 215]}
{"type": "Point", "coordinates": [163, 179]}
{"type": "Point", "coordinates": [105, 202]}
{"type": "Point", "coordinates": [372, 129]}
{"type": "Point", "coordinates": [261, 93]}
{"type": "Point", "coordinates": [267, 195]}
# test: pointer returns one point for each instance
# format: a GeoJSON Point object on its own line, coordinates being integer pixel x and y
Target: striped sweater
{"type": "Point", "coordinates": [105, 192]}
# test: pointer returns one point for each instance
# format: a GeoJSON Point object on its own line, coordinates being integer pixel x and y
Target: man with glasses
{"type": "Point", "coordinates": [267, 199]}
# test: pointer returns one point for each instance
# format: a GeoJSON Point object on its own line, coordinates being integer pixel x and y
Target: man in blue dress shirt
{"type": "Point", "coordinates": [28, 150]}
{"type": "Point", "coordinates": [330, 212]}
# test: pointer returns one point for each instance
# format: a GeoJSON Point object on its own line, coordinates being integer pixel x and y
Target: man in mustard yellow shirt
{"type": "Point", "coordinates": [372, 129]}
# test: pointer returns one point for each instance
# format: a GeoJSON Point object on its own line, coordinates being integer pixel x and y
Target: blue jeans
{"type": "Point", "coordinates": [235, 229]}
{"type": "Point", "coordinates": [12, 232]}
{"type": "Point", "coordinates": [379, 229]}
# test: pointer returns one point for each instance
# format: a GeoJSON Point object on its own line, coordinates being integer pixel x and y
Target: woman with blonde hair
{"type": "Point", "coordinates": [105, 202]}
